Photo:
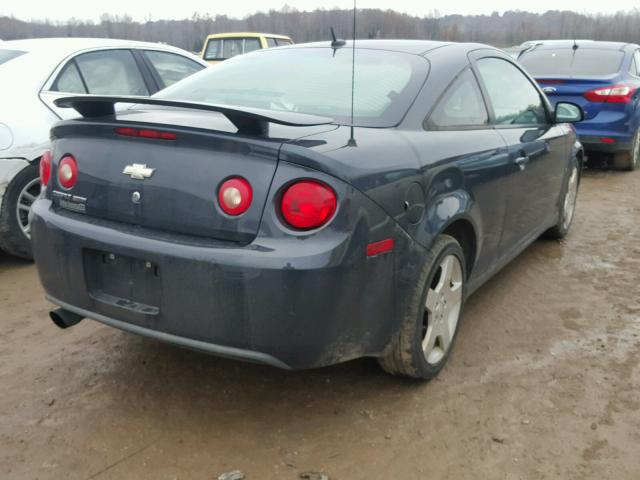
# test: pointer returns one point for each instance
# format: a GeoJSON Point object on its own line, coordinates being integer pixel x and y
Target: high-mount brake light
{"type": "Point", "coordinates": [235, 195]}
{"type": "Point", "coordinates": [611, 94]}
{"type": "Point", "coordinates": [45, 168]}
{"type": "Point", "coordinates": [308, 204]}
{"type": "Point", "coordinates": [67, 172]}
{"type": "Point", "coordinates": [145, 133]}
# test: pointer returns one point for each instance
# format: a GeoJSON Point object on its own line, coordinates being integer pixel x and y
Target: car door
{"type": "Point", "coordinates": [467, 153]}
{"type": "Point", "coordinates": [99, 72]}
{"type": "Point", "coordinates": [169, 68]}
{"type": "Point", "coordinates": [537, 150]}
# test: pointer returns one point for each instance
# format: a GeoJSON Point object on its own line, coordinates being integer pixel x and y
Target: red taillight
{"type": "Point", "coordinates": [611, 94]}
{"type": "Point", "coordinates": [145, 133]}
{"type": "Point", "coordinates": [308, 204]}
{"type": "Point", "coordinates": [45, 168]}
{"type": "Point", "coordinates": [67, 172]}
{"type": "Point", "coordinates": [607, 140]}
{"type": "Point", "coordinates": [235, 195]}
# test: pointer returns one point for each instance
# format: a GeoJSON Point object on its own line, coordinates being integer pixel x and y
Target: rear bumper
{"type": "Point", "coordinates": [615, 126]}
{"type": "Point", "coordinates": [274, 301]}
{"type": "Point", "coordinates": [219, 350]}
{"type": "Point", "coordinates": [595, 143]}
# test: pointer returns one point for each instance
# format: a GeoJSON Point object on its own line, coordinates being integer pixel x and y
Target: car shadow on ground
{"type": "Point", "coordinates": [171, 370]}
{"type": "Point", "coordinates": [9, 261]}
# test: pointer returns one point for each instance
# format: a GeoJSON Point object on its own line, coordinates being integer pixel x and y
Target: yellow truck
{"type": "Point", "coordinates": [222, 46]}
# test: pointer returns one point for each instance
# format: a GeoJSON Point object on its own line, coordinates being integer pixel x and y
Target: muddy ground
{"type": "Point", "coordinates": [542, 384]}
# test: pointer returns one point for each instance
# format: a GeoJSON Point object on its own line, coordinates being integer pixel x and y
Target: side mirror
{"type": "Point", "coordinates": [566, 112]}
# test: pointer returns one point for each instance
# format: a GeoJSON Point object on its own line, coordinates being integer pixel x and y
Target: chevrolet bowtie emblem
{"type": "Point", "coordinates": [138, 171]}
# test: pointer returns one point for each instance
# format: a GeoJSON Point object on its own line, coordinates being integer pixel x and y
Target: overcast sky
{"type": "Point", "coordinates": [168, 9]}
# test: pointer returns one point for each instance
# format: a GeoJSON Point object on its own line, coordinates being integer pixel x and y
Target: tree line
{"type": "Point", "coordinates": [510, 28]}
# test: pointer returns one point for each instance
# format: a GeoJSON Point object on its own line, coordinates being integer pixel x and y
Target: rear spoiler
{"type": "Point", "coordinates": [252, 121]}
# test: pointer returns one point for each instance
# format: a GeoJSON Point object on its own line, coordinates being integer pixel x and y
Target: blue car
{"type": "Point", "coordinates": [604, 79]}
{"type": "Point", "coordinates": [252, 212]}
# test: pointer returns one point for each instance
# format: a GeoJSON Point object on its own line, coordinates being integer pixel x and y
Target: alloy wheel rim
{"type": "Point", "coordinates": [636, 150]}
{"type": "Point", "coordinates": [570, 198]}
{"type": "Point", "coordinates": [27, 196]}
{"type": "Point", "coordinates": [442, 309]}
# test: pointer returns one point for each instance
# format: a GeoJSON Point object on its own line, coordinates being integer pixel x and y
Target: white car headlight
{"type": "Point", "coordinates": [6, 137]}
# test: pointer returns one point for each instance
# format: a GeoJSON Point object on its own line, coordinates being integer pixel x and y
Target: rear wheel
{"type": "Point", "coordinates": [629, 160]}
{"type": "Point", "coordinates": [422, 347]}
{"type": "Point", "coordinates": [15, 226]}
{"type": "Point", "coordinates": [568, 208]}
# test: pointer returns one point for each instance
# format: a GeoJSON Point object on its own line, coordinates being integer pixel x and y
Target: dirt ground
{"type": "Point", "coordinates": [542, 384]}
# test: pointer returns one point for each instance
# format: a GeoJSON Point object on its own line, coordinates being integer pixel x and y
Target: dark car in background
{"type": "Point", "coordinates": [254, 212]}
{"type": "Point", "coordinates": [604, 79]}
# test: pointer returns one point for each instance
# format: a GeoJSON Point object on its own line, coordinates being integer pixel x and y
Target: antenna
{"type": "Point", "coordinates": [336, 42]}
{"type": "Point", "coordinates": [575, 45]}
{"type": "Point", "coordinates": [352, 140]}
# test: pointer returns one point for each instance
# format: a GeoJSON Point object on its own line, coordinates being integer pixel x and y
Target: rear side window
{"type": "Point", "coordinates": [172, 67]}
{"type": "Point", "coordinates": [69, 80]}
{"type": "Point", "coordinates": [567, 62]}
{"type": "Point", "coordinates": [514, 99]}
{"type": "Point", "coordinates": [271, 42]}
{"type": "Point", "coordinates": [111, 72]}
{"type": "Point", "coordinates": [282, 41]}
{"type": "Point", "coordinates": [6, 55]}
{"type": "Point", "coordinates": [461, 106]}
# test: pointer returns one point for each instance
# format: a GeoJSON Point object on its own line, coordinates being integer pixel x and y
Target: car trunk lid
{"type": "Point", "coordinates": [167, 184]}
{"type": "Point", "coordinates": [572, 89]}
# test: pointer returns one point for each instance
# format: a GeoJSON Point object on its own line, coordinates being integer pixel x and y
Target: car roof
{"type": "Point", "coordinates": [582, 44]}
{"type": "Point", "coordinates": [247, 34]}
{"type": "Point", "coordinates": [417, 47]}
{"type": "Point", "coordinates": [63, 47]}
{"type": "Point", "coordinates": [553, 42]}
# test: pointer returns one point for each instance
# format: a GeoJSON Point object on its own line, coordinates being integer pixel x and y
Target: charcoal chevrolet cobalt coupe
{"type": "Point", "coordinates": [251, 213]}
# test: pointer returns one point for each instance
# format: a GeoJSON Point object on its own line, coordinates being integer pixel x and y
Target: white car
{"type": "Point", "coordinates": [33, 73]}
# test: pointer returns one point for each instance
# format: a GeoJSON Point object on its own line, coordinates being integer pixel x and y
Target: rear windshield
{"type": "Point", "coordinates": [566, 61]}
{"type": "Point", "coordinates": [315, 81]}
{"type": "Point", "coordinates": [6, 55]}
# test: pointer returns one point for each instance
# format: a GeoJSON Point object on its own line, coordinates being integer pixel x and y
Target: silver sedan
{"type": "Point", "coordinates": [33, 73]}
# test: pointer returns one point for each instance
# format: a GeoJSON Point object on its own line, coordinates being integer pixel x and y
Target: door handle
{"type": "Point", "coordinates": [522, 160]}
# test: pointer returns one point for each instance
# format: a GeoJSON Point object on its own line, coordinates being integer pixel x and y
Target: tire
{"type": "Point", "coordinates": [568, 207]}
{"type": "Point", "coordinates": [629, 161]}
{"type": "Point", "coordinates": [406, 356]}
{"type": "Point", "coordinates": [13, 238]}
